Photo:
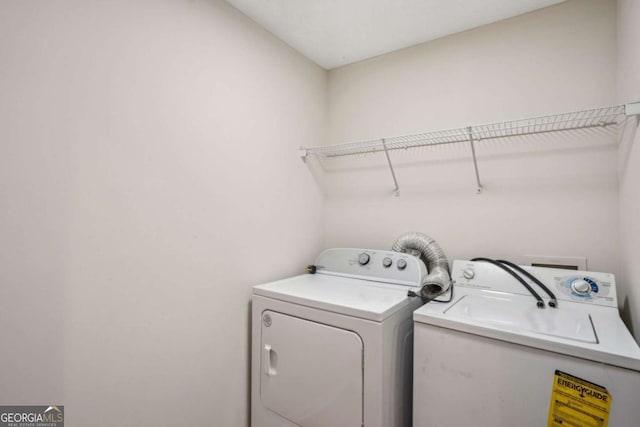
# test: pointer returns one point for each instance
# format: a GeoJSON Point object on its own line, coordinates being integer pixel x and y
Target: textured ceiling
{"type": "Point", "coordinates": [333, 33]}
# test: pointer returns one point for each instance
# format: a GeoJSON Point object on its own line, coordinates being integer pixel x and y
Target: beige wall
{"type": "Point", "coordinates": [629, 91]}
{"type": "Point", "coordinates": [149, 176]}
{"type": "Point", "coordinates": [550, 194]}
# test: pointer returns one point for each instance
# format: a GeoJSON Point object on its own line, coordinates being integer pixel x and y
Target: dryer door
{"type": "Point", "coordinates": [311, 373]}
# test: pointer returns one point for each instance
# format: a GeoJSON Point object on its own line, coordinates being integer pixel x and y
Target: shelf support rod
{"type": "Point", "coordinates": [475, 161]}
{"type": "Point", "coordinates": [304, 153]}
{"type": "Point", "coordinates": [393, 174]}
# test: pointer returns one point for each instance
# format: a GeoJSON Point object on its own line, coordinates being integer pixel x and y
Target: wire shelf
{"type": "Point", "coordinates": [583, 119]}
{"type": "Point", "coordinates": [596, 117]}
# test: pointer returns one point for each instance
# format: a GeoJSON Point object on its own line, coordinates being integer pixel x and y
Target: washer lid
{"type": "Point", "coordinates": [352, 297]}
{"type": "Point", "coordinates": [589, 332]}
{"type": "Point", "coordinates": [519, 314]}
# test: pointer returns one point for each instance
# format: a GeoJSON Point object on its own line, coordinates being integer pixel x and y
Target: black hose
{"type": "Point", "coordinates": [553, 302]}
{"type": "Point", "coordinates": [539, 304]}
{"type": "Point", "coordinates": [426, 300]}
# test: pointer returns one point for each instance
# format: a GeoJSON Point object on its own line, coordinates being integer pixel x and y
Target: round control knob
{"type": "Point", "coordinates": [386, 262]}
{"type": "Point", "coordinates": [363, 258]}
{"type": "Point", "coordinates": [402, 264]}
{"type": "Point", "coordinates": [468, 273]}
{"type": "Point", "coordinates": [581, 287]}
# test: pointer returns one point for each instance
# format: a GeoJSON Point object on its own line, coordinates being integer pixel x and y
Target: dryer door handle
{"type": "Point", "coordinates": [268, 361]}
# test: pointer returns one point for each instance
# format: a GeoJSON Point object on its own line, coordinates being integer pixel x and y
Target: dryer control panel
{"type": "Point", "coordinates": [372, 264]}
{"type": "Point", "coordinates": [587, 287]}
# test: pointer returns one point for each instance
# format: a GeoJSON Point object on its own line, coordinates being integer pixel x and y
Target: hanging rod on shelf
{"type": "Point", "coordinates": [575, 120]}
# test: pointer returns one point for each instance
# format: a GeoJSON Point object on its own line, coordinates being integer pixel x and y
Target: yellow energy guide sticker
{"type": "Point", "coordinates": [578, 403]}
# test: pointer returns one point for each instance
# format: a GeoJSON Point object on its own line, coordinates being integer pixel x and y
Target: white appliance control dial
{"type": "Point", "coordinates": [581, 287]}
{"type": "Point", "coordinates": [588, 286]}
{"type": "Point", "coordinates": [386, 262]}
{"type": "Point", "coordinates": [468, 273]}
{"type": "Point", "coordinates": [402, 264]}
{"type": "Point", "coordinates": [363, 258]}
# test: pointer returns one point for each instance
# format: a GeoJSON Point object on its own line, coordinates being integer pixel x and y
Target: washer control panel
{"type": "Point", "coordinates": [372, 264]}
{"type": "Point", "coordinates": [587, 286]}
{"type": "Point", "coordinates": [579, 286]}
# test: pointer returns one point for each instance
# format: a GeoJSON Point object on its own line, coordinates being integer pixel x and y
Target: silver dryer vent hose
{"type": "Point", "coordinates": [437, 280]}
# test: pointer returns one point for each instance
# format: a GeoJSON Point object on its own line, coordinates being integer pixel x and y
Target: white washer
{"type": "Point", "coordinates": [489, 357]}
{"type": "Point", "coordinates": [335, 348]}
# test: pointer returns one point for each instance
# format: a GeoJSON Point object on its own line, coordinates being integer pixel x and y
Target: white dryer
{"type": "Point", "coordinates": [489, 357]}
{"type": "Point", "coordinates": [335, 348]}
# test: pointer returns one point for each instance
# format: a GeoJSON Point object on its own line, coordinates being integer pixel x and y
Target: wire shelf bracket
{"type": "Point", "coordinates": [583, 119]}
{"type": "Point", "coordinates": [393, 174]}
{"type": "Point", "coordinates": [475, 161]}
